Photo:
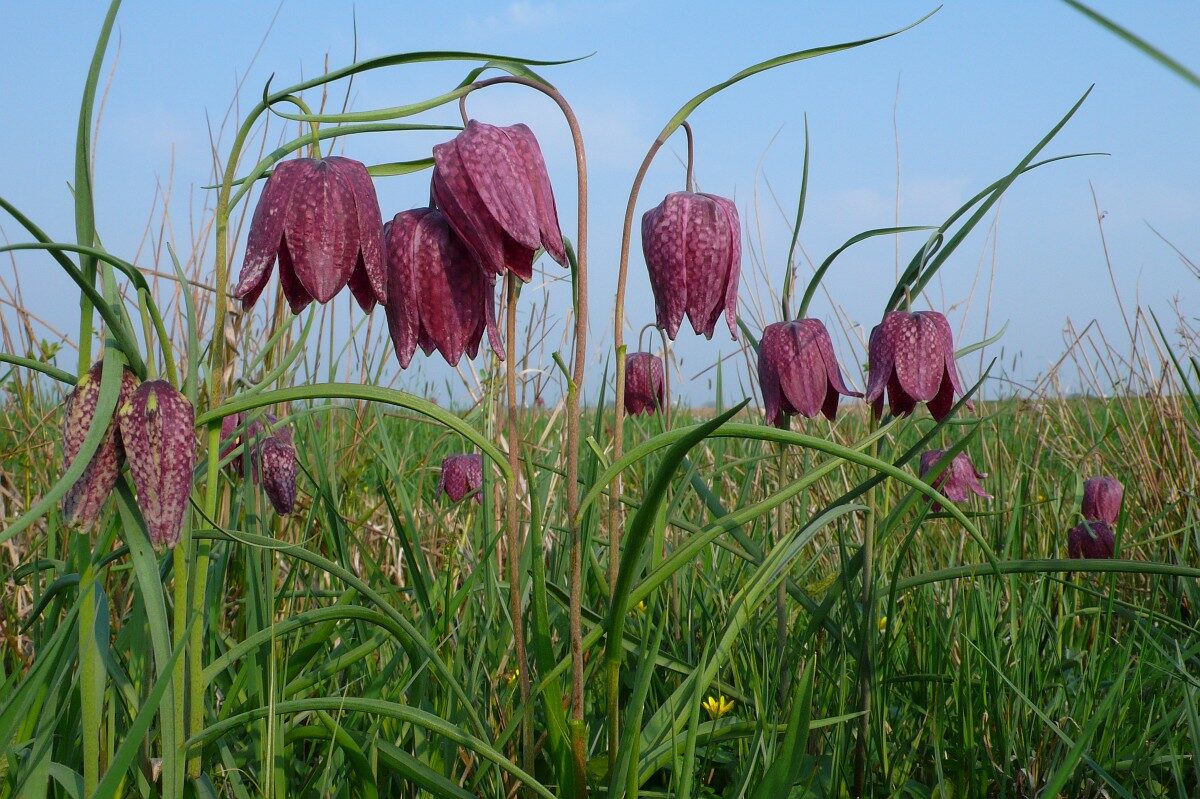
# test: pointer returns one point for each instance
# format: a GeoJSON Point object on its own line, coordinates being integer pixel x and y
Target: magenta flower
{"type": "Point", "coordinates": [320, 217]}
{"type": "Point", "coordinates": [957, 481]}
{"type": "Point", "coordinates": [158, 431]}
{"type": "Point", "coordinates": [439, 298]}
{"type": "Point", "coordinates": [277, 468]}
{"type": "Point", "coordinates": [272, 457]}
{"type": "Point", "coordinates": [461, 475]}
{"type": "Point", "coordinates": [1102, 499]}
{"type": "Point", "coordinates": [912, 356]}
{"type": "Point", "coordinates": [492, 185]}
{"type": "Point", "coordinates": [644, 380]}
{"type": "Point", "coordinates": [798, 372]}
{"type": "Point", "coordinates": [83, 501]}
{"type": "Point", "coordinates": [1091, 539]}
{"type": "Point", "coordinates": [693, 248]}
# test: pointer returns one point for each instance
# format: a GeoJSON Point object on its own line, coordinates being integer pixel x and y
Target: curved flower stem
{"type": "Point", "coordinates": [512, 511]}
{"type": "Point", "coordinates": [691, 155]}
{"type": "Point", "coordinates": [614, 504]}
{"type": "Point", "coordinates": [216, 372]}
{"type": "Point", "coordinates": [314, 149]}
{"type": "Point", "coordinates": [578, 731]}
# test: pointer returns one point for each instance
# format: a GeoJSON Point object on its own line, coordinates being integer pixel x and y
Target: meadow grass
{"type": "Point", "coordinates": [364, 645]}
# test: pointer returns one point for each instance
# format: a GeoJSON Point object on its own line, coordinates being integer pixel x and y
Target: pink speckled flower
{"type": "Point", "coordinates": [693, 248]}
{"type": "Point", "coordinates": [320, 217]}
{"type": "Point", "coordinates": [439, 298]}
{"type": "Point", "coordinates": [82, 503]}
{"type": "Point", "coordinates": [1091, 539]}
{"type": "Point", "coordinates": [158, 431]}
{"type": "Point", "coordinates": [912, 356]}
{"type": "Point", "coordinates": [461, 475]}
{"type": "Point", "coordinates": [957, 481]}
{"type": "Point", "coordinates": [644, 380]}
{"type": "Point", "coordinates": [272, 457]}
{"type": "Point", "coordinates": [491, 184]}
{"type": "Point", "coordinates": [798, 372]}
{"type": "Point", "coordinates": [1102, 499]}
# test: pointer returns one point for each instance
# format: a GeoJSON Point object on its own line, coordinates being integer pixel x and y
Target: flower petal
{"type": "Point", "coordinates": [321, 228]}
{"type": "Point", "coordinates": [370, 226]}
{"type": "Point", "coordinates": [543, 192]}
{"type": "Point", "coordinates": [664, 247]}
{"type": "Point", "coordinates": [266, 229]}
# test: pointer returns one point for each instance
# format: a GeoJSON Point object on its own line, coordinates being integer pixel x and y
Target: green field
{"type": "Point", "coordinates": [690, 603]}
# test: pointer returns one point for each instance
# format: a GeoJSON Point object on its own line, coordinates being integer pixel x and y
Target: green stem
{"type": "Point", "coordinates": [195, 655]}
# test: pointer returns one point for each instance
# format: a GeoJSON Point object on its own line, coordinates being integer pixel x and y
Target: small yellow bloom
{"type": "Point", "coordinates": [511, 676]}
{"type": "Point", "coordinates": [717, 706]}
{"type": "Point", "coordinates": [882, 623]}
{"type": "Point", "coordinates": [640, 607]}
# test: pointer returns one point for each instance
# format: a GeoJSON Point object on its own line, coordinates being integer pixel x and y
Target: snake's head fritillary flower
{"type": "Point", "coordinates": [958, 480]}
{"type": "Point", "coordinates": [439, 298]}
{"type": "Point", "coordinates": [320, 218]}
{"type": "Point", "coordinates": [276, 456]}
{"type": "Point", "coordinates": [158, 431]}
{"type": "Point", "coordinates": [693, 249]}
{"type": "Point", "coordinates": [462, 475]}
{"type": "Point", "coordinates": [644, 380]}
{"type": "Point", "coordinates": [272, 456]}
{"type": "Point", "coordinates": [82, 503]}
{"type": "Point", "coordinates": [798, 371]}
{"type": "Point", "coordinates": [912, 356]}
{"type": "Point", "coordinates": [491, 183]}
{"type": "Point", "coordinates": [1091, 539]}
{"type": "Point", "coordinates": [1102, 499]}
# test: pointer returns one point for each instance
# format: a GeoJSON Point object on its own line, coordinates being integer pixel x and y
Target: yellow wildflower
{"type": "Point", "coordinates": [882, 623]}
{"type": "Point", "coordinates": [639, 608]}
{"type": "Point", "coordinates": [717, 706]}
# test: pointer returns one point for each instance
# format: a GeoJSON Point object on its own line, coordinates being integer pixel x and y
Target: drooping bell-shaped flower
{"type": "Point", "coordinates": [644, 381]}
{"type": "Point", "coordinates": [957, 481]}
{"type": "Point", "coordinates": [82, 503]}
{"type": "Point", "coordinates": [461, 475]}
{"type": "Point", "coordinates": [693, 248]}
{"type": "Point", "coordinates": [912, 356]}
{"type": "Point", "coordinates": [272, 457]}
{"type": "Point", "coordinates": [277, 466]}
{"type": "Point", "coordinates": [798, 372]}
{"type": "Point", "coordinates": [320, 217]}
{"type": "Point", "coordinates": [1102, 499]}
{"type": "Point", "coordinates": [439, 298]}
{"type": "Point", "coordinates": [1091, 539]}
{"type": "Point", "coordinates": [158, 431]}
{"type": "Point", "coordinates": [492, 185]}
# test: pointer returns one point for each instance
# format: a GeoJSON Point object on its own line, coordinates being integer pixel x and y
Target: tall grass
{"type": "Point", "coordinates": [364, 645]}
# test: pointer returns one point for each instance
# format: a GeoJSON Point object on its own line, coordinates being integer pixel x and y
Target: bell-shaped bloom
{"type": "Point", "coordinates": [272, 457]}
{"type": "Point", "coordinates": [693, 248]}
{"type": "Point", "coordinates": [461, 475]}
{"type": "Point", "coordinates": [439, 298]}
{"type": "Point", "coordinates": [158, 431]}
{"type": "Point", "coordinates": [320, 218]}
{"type": "Point", "coordinates": [492, 185]}
{"type": "Point", "coordinates": [277, 467]}
{"type": "Point", "coordinates": [82, 503]}
{"type": "Point", "coordinates": [798, 372]}
{"type": "Point", "coordinates": [1091, 539]}
{"type": "Point", "coordinates": [957, 481]}
{"type": "Point", "coordinates": [1102, 499]}
{"type": "Point", "coordinates": [644, 380]}
{"type": "Point", "coordinates": [912, 356]}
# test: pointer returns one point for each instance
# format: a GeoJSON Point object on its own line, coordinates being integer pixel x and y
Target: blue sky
{"type": "Point", "coordinates": [965, 95]}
